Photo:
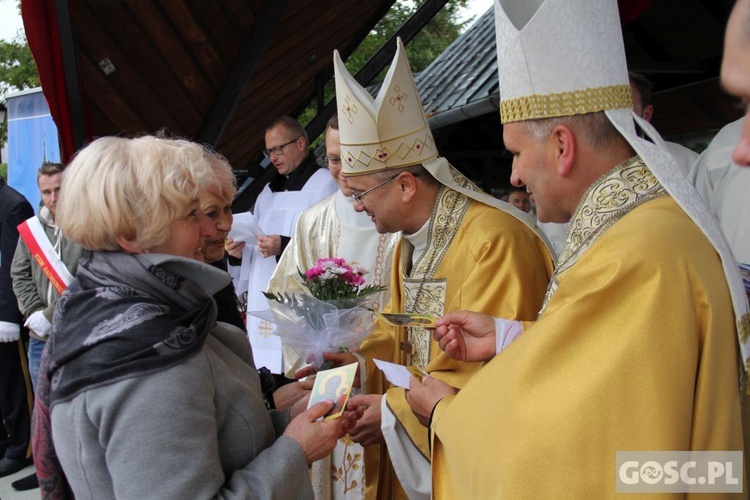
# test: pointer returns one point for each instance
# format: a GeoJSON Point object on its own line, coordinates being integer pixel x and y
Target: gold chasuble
{"type": "Point", "coordinates": [477, 257]}
{"type": "Point", "coordinates": [631, 352]}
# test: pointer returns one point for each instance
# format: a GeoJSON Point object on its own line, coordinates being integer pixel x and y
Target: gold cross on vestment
{"type": "Point", "coordinates": [406, 347]}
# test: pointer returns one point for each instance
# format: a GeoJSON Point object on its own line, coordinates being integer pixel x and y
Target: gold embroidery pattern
{"type": "Point", "coordinates": [349, 109]}
{"type": "Point", "coordinates": [431, 301]}
{"type": "Point", "coordinates": [398, 99]}
{"type": "Point", "coordinates": [625, 187]}
{"type": "Point", "coordinates": [551, 289]}
{"type": "Point", "coordinates": [337, 239]}
{"type": "Point", "coordinates": [576, 102]}
{"type": "Point", "coordinates": [744, 327]}
{"type": "Point", "coordinates": [449, 211]}
{"type": "Point", "coordinates": [391, 154]}
{"type": "Point", "coordinates": [382, 269]}
{"type": "Point", "coordinates": [351, 462]}
{"type": "Point", "coordinates": [446, 219]}
{"type": "Point", "coordinates": [265, 329]}
{"type": "Point", "coordinates": [462, 180]}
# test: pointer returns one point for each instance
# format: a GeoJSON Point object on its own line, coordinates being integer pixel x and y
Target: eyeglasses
{"type": "Point", "coordinates": [333, 161]}
{"type": "Point", "coordinates": [358, 197]}
{"type": "Point", "coordinates": [277, 150]}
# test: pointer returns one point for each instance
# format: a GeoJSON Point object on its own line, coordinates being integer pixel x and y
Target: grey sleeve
{"type": "Point", "coordinates": [280, 419]}
{"type": "Point", "coordinates": [159, 436]}
{"type": "Point", "coordinates": [29, 300]}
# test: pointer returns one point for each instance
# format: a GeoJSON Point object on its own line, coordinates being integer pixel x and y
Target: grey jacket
{"type": "Point", "coordinates": [31, 286]}
{"type": "Point", "coordinates": [197, 430]}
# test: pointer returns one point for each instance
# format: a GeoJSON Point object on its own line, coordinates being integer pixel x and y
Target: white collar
{"type": "Point", "coordinates": [419, 240]}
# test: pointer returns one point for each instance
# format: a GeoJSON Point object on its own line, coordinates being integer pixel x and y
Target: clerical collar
{"type": "Point", "coordinates": [297, 178]}
{"type": "Point", "coordinates": [419, 240]}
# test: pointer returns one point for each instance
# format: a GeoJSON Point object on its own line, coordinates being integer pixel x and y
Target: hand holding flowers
{"type": "Point", "coordinates": [336, 316]}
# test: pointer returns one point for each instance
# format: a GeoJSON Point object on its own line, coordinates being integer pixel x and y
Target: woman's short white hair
{"type": "Point", "coordinates": [218, 180]}
{"type": "Point", "coordinates": [129, 188]}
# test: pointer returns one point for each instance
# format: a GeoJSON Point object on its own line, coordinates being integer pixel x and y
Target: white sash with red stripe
{"type": "Point", "coordinates": [43, 252]}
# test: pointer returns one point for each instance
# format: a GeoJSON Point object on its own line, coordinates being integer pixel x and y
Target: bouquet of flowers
{"type": "Point", "coordinates": [337, 314]}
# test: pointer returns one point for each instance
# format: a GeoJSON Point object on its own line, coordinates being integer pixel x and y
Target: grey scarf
{"type": "Point", "coordinates": [122, 317]}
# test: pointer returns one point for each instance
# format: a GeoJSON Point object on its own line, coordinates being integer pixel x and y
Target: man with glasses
{"type": "Point", "coordinates": [460, 247]}
{"type": "Point", "coordinates": [298, 184]}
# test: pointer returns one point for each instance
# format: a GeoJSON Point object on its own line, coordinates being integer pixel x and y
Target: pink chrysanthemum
{"type": "Point", "coordinates": [333, 278]}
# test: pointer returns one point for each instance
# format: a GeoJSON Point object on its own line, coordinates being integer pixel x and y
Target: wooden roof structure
{"type": "Point", "coordinates": [216, 72]}
{"type": "Point", "coordinates": [219, 71]}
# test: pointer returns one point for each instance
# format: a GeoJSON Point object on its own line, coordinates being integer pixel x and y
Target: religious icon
{"type": "Point", "coordinates": [413, 320]}
{"type": "Point", "coordinates": [334, 385]}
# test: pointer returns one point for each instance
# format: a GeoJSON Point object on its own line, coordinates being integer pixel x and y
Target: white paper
{"type": "Point", "coordinates": [245, 228]}
{"type": "Point", "coordinates": [267, 351]}
{"type": "Point", "coordinates": [396, 374]}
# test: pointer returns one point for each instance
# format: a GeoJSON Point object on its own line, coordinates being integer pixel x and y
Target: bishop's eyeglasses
{"type": "Point", "coordinates": [333, 161]}
{"type": "Point", "coordinates": [358, 197]}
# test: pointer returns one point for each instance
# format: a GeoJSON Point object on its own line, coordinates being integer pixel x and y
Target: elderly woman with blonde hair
{"type": "Point", "coordinates": [150, 397]}
{"type": "Point", "coordinates": [217, 190]}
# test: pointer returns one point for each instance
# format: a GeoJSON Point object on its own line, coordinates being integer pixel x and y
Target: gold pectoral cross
{"type": "Point", "coordinates": [407, 349]}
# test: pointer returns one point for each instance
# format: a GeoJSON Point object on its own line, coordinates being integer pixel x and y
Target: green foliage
{"type": "Point", "coordinates": [17, 71]}
{"type": "Point", "coordinates": [17, 67]}
{"type": "Point", "coordinates": [4, 170]}
{"type": "Point", "coordinates": [429, 43]}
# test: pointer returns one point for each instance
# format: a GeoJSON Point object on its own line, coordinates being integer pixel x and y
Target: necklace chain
{"type": "Point", "coordinates": [407, 345]}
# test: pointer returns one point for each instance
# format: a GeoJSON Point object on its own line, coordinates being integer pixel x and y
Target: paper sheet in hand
{"type": "Point", "coordinates": [245, 228]}
{"type": "Point", "coordinates": [334, 385]}
{"type": "Point", "coordinates": [399, 375]}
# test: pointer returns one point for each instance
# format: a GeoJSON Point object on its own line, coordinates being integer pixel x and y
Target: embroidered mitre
{"type": "Point", "coordinates": [388, 131]}
{"type": "Point", "coordinates": [560, 58]}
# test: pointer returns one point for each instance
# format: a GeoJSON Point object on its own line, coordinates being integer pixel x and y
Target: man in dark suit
{"type": "Point", "coordinates": [15, 389]}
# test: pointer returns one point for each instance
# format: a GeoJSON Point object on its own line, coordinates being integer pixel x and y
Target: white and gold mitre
{"type": "Point", "coordinates": [566, 57]}
{"type": "Point", "coordinates": [559, 58]}
{"type": "Point", "coordinates": [389, 131]}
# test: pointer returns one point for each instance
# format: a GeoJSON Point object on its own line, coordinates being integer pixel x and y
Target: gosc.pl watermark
{"type": "Point", "coordinates": [679, 472]}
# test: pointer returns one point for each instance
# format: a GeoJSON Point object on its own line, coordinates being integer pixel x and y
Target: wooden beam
{"type": "Point", "coordinates": [72, 85]}
{"type": "Point", "coordinates": [241, 72]}
{"type": "Point", "coordinates": [377, 62]}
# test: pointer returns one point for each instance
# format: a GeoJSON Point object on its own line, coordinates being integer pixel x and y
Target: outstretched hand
{"type": "Point", "coordinates": [234, 248]}
{"type": "Point", "coordinates": [318, 438]}
{"type": "Point", "coordinates": [466, 335]}
{"type": "Point", "coordinates": [337, 359]}
{"type": "Point", "coordinates": [423, 396]}
{"type": "Point", "coordinates": [294, 395]}
{"type": "Point", "coordinates": [367, 430]}
{"type": "Point", "coordinates": [269, 245]}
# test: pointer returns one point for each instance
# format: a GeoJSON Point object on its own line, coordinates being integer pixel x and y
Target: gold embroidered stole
{"type": "Point", "coordinates": [424, 293]}
{"type": "Point", "coordinates": [625, 187]}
